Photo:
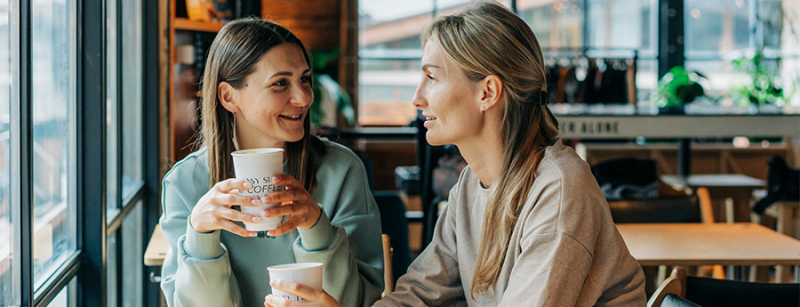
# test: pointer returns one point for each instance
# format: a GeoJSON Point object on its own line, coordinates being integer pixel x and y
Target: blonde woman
{"type": "Point", "coordinates": [257, 93]}
{"type": "Point", "coordinates": [526, 224]}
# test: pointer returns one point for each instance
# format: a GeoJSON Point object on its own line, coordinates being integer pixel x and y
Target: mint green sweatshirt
{"type": "Point", "coordinates": [224, 269]}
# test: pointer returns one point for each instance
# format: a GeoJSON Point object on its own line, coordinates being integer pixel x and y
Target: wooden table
{"type": "Point", "coordinates": [738, 188]}
{"type": "Point", "coordinates": [740, 244]}
{"type": "Point", "coordinates": [156, 249]}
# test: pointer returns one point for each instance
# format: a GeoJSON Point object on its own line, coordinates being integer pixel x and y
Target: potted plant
{"type": "Point", "coordinates": [329, 96]}
{"type": "Point", "coordinates": [765, 85]}
{"type": "Point", "coordinates": [677, 88]}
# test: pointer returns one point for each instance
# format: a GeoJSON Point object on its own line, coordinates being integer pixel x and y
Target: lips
{"type": "Point", "coordinates": [429, 120]}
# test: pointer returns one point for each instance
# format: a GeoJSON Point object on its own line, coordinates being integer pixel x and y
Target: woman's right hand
{"type": "Point", "coordinates": [213, 211]}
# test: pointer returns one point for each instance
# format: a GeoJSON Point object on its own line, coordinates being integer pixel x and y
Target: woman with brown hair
{"type": "Point", "coordinates": [526, 224]}
{"type": "Point", "coordinates": [257, 94]}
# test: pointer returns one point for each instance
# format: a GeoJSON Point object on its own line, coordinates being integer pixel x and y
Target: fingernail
{"type": "Point", "coordinates": [248, 184]}
{"type": "Point", "coordinates": [252, 233]}
{"type": "Point", "coordinates": [256, 219]}
{"type": "Point", "coordinates": [267, 199]}
{"type": "Point", "coordinates": [255, 202]}
{"type": "Point", "coordinates": [268, 212]}
{"type": "Point", "coordinates": [276, 179]}
{"type": "Point", "coordinates": [272, 282]}
{"type": "Point", "coordinates": [271, 233]}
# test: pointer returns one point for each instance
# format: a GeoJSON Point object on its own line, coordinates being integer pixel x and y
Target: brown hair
{"type": "Point", "coordinates": [233, 55]}
{"type": "Point", "coordinates": [488, 39]}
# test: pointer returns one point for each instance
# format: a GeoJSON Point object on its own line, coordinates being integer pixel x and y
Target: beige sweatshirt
{"type": "Point", "coordinates": [564, 250]}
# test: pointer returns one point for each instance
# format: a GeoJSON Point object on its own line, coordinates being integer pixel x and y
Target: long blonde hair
{"type": "Point", "coordinates": [488, 39]}
{"type": "Point", "coordinates": [232, 57]}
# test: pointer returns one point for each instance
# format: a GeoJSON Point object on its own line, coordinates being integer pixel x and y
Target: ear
{"type": "Point", "coordinates": [491, 91]}
{"type": "Point", "coordinates": [228, 96]}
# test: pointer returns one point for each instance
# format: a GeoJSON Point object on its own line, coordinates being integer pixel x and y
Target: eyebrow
{"type": "Point", "coordinates": [288, 73]}
{"type": "Point", "coordinates": [426, 66]}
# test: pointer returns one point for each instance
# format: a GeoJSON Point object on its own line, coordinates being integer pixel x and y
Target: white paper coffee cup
{"type": "Point", "coordinates": [258, 166]}
{"type": "Point", "coordinates": [307, 273]}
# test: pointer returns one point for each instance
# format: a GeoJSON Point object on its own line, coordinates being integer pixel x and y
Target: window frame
{"type": "Point", "coordinates": [84, 269]}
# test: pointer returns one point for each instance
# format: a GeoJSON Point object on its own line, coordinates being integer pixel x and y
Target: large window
{"type": "Point", "coordinates": [720, 31]}
{"type": "Point", "coordinates": [54, 96]}
{"type": "Point", "coordinates": [389, 46]}
{"type": "Point", "coordinates": [67, 153]}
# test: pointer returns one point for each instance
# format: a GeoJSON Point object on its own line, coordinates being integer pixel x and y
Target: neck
{"type": "Point", "coordinates": [248, 137]}
{"type": "Point", "coordinates": [484, 154]}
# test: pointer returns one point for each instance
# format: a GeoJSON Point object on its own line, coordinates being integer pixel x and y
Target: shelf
{"type": "Point", "coordinates": [189, 25]}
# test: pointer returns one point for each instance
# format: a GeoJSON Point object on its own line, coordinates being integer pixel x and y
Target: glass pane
{"type": "Point", "coordinates": [448, 7]}
{"type": "Point", "coordinates": [389, 54]}
{"type": "Point", "coordinates": [722, 78]}
{"type": "Point", "coordinates": [623, 24]}
{"type": "Point", "coordinates": [112, 165]}
{"type": "Point", "coordinates": [556, 24]}
{"type": "Point", "coordinates": [53, 62]}
{"type": "Point", "coordinates": [716, 27]}
{"type": "Point", "coordinates": [131, 97]}
{"type": "Point", "coordinates": [7, 293]}
{"type": "Point", "coordinates": [132, 253]}
{"type": "Point", "coordinates": [112, 268]}
{"type": "Point", "coordinates": [65, 297]}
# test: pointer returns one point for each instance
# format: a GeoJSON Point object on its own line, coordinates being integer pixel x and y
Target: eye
{"type": "Point", "coordinates": [430, 77]}
{"type": "Point", "coordinates": [281, 82]}
{"type": "Point", "coordinates": [305, 79]}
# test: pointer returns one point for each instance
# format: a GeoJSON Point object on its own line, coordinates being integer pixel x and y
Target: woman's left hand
{"type": "Point", "coordinates": [312, 297]}
{"type": "Point", "coordinates": [295, 201]}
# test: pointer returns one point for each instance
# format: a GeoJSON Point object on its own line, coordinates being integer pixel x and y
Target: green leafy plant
{"type": "Point", "coordinates": [678, 87]}
{"type": "Point", "coordinates": [324, 85]}
{"type": "Point", "coordinates": [765, 84]}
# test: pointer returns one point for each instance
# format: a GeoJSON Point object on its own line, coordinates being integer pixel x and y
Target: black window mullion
{"type": "Point", "coordinates": [22, 155]}
{"type": "Point", "coordinates": [151, 138]}
{"type": "Point", "coordinates": [120, 91]}
{"type": "Point", "coordinates": [91, 154]}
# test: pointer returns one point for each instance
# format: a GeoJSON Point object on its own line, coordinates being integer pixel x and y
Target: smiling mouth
{"type": "Point", "coordinates": [292, 117]}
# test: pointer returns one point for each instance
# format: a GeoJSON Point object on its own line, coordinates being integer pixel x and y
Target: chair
{"type": "Point", "coordinates": [709, 292]}
{"type": "Point", "coordinates": [388, 277]}
{"type": "Point", "coordinates": [677, 209]}
{"type": "Point", "coordinates": [395, 225]}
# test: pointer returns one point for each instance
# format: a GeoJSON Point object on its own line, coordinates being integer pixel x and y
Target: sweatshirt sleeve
{"type": "Point", "coordinates": [552, 270]}
{"type": "Point", "coordinates": [196, 269]}
{"type": "Point", "coordinates": [434, 278]}
{"type": "Point", "coordinates": [347, 237]}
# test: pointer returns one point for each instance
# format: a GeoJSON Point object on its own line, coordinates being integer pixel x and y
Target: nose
{"type": "Point", "coordinates": [301, 96]}
{"type": "Point", "coordinates": [419, 100]}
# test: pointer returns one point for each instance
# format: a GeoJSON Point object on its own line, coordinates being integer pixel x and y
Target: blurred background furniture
{"type": "Point", "coordinates": [709, 292]}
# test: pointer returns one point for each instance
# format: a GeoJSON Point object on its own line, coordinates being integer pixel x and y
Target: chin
{"type": "Point", "coordinates": [436, 140]}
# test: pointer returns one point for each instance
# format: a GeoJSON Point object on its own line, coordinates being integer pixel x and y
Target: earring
{"type": "Point", "coordinates": [483, 108]}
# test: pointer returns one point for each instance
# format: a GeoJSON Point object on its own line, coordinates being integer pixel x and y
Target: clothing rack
{"type": "Point", "coordinates": [592, 60]}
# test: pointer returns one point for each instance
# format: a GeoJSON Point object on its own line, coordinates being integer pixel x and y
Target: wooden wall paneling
{"type": "Point", "coordinates": [315, 22]}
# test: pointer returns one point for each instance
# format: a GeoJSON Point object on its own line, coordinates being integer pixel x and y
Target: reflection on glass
{"type": "Point", "coordinates": [131, 97]}
{"type": "Point", "coordinates": [53, 90]}
{"type": "Point", "coordinates": [557, 24]}
{"type": "Point", "coordinates": [629, 24]}
{"type": "Point", "coordinates": [132, 269]}
{"type": "Point", "coordinates": [716, 27]}
{"type": "Point", "coordinates": [393, 32]}
{"type": "Point", "coordinates": [112, 164]}
{"type": "Point", "coordinates": [7, 293]}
